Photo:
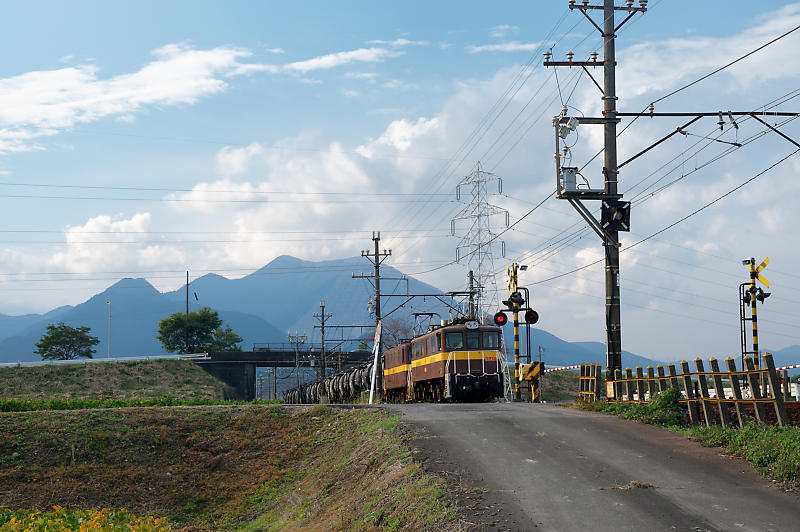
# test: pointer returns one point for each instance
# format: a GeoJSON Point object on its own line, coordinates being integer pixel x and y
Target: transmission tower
{"type": "Point", "coordinates": [479, 241]}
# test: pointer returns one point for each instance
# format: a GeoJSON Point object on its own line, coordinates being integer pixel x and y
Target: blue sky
{"type": "Point", "coordinates": [261, 98]}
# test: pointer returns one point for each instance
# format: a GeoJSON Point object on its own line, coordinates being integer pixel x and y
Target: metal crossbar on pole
{"type": "Point", "coordinates": [376, 258]}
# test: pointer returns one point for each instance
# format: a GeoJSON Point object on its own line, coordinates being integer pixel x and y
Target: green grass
{"type": "Point", "coordinates": [773, 451]}
{"type": "Point", "coordinates": [28, 405]}
{"type": "Point", "coordinates": [140, 379]}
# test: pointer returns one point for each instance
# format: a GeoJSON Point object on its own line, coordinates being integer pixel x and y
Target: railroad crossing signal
{"type": "Point", "coordinates": [750, 294]}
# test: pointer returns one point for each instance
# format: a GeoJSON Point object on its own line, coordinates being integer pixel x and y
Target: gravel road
{"type": "Point", "coordinates": [543, 467]}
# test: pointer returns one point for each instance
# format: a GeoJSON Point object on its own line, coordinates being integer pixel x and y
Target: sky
{"type": "Point", "coordinates": [144, 139]}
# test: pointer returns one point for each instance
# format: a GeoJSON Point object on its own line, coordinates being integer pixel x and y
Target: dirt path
{"type": "Point", "coordinates": [542, 467]}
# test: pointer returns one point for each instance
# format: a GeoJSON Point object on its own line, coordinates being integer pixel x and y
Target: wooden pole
{"type": "Point", "coordinates": [694, 414]}
{"type": "Point", "coordinates": [651, 384]}
{"type": "Point", "coordinates": [701, 380]}
{"type": "Point", "coordinates": [724, 415]}
{"type": "Point", "coordinates": [640, 383]}
{"type": "Point", "coordinates": [755, 389]}
{"type": "Point", "coordinates": [629, 383]}
{"type": "Point", "coordinates": [737, 391]}
{"type": "Point", "coordinates": [775, 388]}
{"type": "Point", "coordinates": [662, 382]}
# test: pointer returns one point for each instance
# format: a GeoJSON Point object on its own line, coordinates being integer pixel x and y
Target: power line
{"type": "Point", "coordinates": [673, 224]}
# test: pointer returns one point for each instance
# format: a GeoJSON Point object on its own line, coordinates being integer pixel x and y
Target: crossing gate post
{"type": "Point", "coordinates": [618, 389]}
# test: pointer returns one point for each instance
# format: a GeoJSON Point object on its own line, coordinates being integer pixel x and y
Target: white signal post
{"type": "Point", "coordinates": [375, 368]}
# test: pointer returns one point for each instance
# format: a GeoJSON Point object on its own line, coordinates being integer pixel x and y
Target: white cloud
{"type": "Point", "coordinates": [361, 55]}
{"type": "Point", "coordinates": [360, 75]}
{"type": "Point", "coordinates": [399, 42]}
{"type": "Point", "coordinates": [41, 103]}
{"type": "Point", "coordinates": [276, 50]}
{"type": "Point", "coordinates": [503, 47]}
{"type": "Point", "coordinates": [82, 255]}
{"type": "Point", "coordinates": [503, 30]}
{"type": "Point", "coordinates": [351, 93]}
{"type": "Point", "coordinates": [399, 85]}
{"type": "Point", "coordinates": [399, 135]}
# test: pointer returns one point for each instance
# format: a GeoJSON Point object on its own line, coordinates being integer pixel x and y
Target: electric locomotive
{"type": "Point", "coordinates": [460, 361]}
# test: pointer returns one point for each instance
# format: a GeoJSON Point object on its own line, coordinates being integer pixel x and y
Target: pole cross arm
{"type": "Point", "coordinates": [773, 128]}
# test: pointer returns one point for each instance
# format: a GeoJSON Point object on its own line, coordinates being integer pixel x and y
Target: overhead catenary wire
{"type": "Point", "coordinates": [680, 220]}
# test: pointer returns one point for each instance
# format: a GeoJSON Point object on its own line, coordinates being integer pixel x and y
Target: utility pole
{"type": "Point", "coordinates": [615, 213]}
{"type": "Point", "coordinates": [187, 295]}
{"type": "Point", "coordinates": [376, 259]}
{"type": "Point", "coordinates": [274, 383]}
{"type": "Point", "coordinates": [108, 347]}
{"type": "Point", "coordinates": [611, 244]}
{"type": "Point", "coordinates": [297, 339]}
{"type": "Point", "coordinates": [322, 316]}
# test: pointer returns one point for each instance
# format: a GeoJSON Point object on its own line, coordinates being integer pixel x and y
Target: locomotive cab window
{"type": "Point", "coordinates": [454, 340]}
{"type": "Point", "coordinates": [491, 340]}
{"type": "Point", "coordinates": [472, 339]}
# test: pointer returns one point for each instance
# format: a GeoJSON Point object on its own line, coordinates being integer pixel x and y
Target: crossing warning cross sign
{"type": "Point", "coordinates": [758, 271]}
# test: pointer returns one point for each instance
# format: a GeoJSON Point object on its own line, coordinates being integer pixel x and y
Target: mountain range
{"type": "Point", "coordinates": [268, 304]}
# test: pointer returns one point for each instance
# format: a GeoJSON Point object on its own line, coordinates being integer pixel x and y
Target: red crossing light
{"type": "Point", "coordinates": [500, 319]}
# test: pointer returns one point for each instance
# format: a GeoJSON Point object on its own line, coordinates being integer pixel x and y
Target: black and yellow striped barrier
{"type": "Point", "coordinates": [533, 373]}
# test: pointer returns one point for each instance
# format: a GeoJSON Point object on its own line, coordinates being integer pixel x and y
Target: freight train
{"type": "Point", "coordinates": [459, 361]}
{"type": "Point", "coordinates": [456, 361]}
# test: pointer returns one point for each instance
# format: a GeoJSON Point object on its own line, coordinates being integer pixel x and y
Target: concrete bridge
{"type": "Point", "coordinates": [237, 369]}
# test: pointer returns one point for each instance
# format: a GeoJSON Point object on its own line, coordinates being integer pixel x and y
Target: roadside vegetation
{"type": "Point", "coordinates": [76, 519]}
{"type": "Point", "coordinates": [141, 379]}
{"type": "Point", "coordinates": [249, 467]}
{"type": "Point", "coordinates": [773, 451]}
{"type": "Point", "coordinates": [29, 405]}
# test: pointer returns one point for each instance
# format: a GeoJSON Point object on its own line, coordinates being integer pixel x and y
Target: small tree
{"type": "Point", "coordinates": [62, 342]}
{"type": "Point", "coordinates": [198, 332]}
{"type": "Point", "coordinates": [225, 340]}
{"type": "Point", "coordinates": [393, 330]}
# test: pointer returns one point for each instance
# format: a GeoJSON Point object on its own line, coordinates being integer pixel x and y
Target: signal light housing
{"type": "Point", "coordinates": [616, 215]}
{"type": "Point", "coordinates": [500, 319]}
{"type": "Point", "coordinates": [531, 316]}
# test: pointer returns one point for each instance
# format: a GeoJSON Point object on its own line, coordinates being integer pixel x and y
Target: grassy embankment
{"type": "Point", "coordinates": [773, 451]}
{"type": "Point", "coordinates": [252, 467]}
{"type": "Point", "coordinates": [142, 379]}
